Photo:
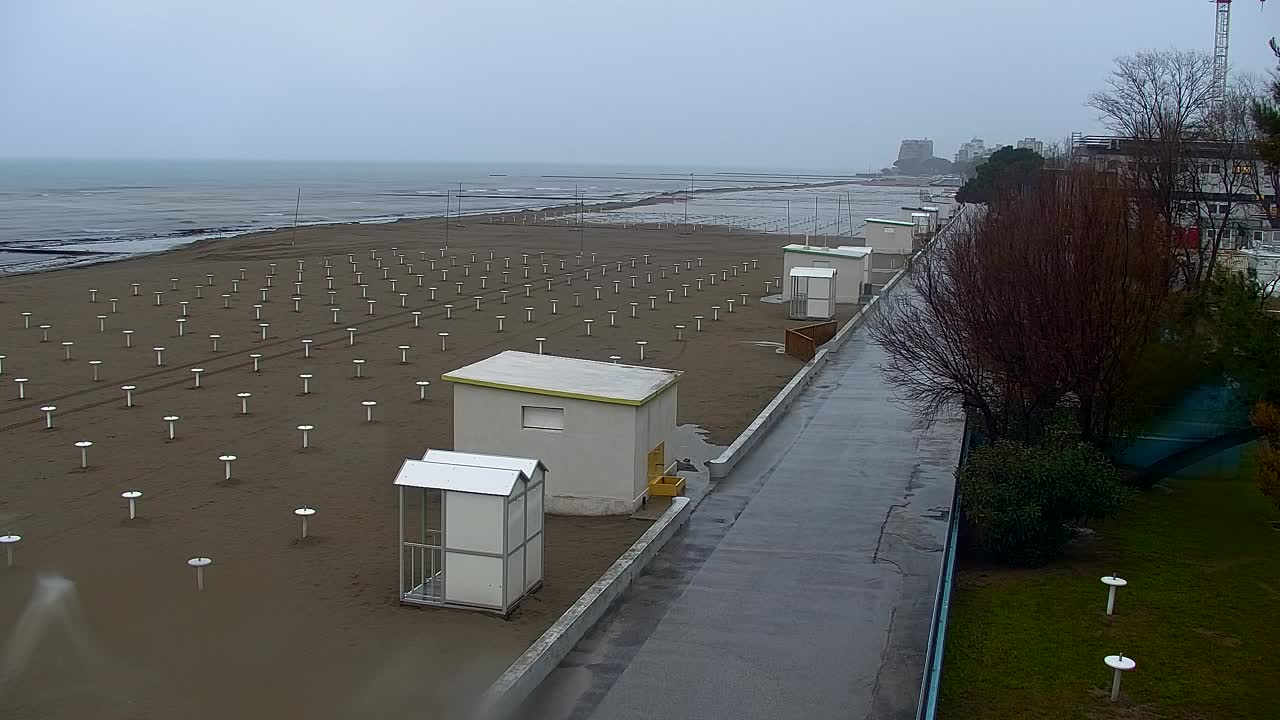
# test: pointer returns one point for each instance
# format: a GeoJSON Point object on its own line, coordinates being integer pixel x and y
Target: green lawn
{"type": "Point", "coordinates": [1201, 617]}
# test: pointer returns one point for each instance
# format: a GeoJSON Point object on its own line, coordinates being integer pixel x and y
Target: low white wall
{"type": "Point", "coordinates": [530, 669]}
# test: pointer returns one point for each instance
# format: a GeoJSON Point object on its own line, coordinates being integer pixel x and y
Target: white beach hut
{"type": "Point", "coordinates": [851, 263]}
{"type": "Point", "coordinates": [604, 427]}
{"type": "Point", "coordinates": [813, 293]}
{"type": "Point", "coordinates": [471, 530]}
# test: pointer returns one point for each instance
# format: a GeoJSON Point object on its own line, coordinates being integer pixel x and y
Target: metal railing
{"type": "Point", "coordinates": [927, 704]}
{"type": "Point", "coordinates": [422, 571]}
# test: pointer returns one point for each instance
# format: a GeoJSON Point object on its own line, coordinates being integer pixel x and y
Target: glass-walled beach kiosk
{"type": "Point", "coordinates": [471, 530]}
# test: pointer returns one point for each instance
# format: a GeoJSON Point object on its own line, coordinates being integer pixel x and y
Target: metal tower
{"type": "Point", "coordinates": [1222, 34]}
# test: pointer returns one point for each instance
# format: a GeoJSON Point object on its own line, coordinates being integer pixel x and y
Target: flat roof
{"type": "Point", "coordinates": [567, 377]}
{"type": "Point", "coordinates": [528, 466]}
{"type": "Point", "coordinates": [813, 272]}
{"type": "Point", "coordinates": [851, 251]}
{"type": "Point", "coordinates": [458, 478]}
{"type": "Point", "coordinates": [889, 222]}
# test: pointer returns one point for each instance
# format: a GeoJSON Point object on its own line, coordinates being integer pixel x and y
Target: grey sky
{"type": "Point", "coordinates": [802, 84]}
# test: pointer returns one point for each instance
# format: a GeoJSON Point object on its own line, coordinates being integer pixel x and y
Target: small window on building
{"type": "Point", "coordinates": [541, 418]}
{"type": "Point", "coordinates": [1224, 209]}
{"type": "Point", "coordinates": [1213, 209]}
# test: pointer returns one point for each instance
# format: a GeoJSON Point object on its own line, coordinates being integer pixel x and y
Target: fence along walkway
{"type": "Point", "coordinates": [803, 586]}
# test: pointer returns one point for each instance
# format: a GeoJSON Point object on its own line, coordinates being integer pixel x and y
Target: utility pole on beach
{"type": "Point", "coordinates": [293, 239]}
{"type": "Point", "coordinates": [446, 218]}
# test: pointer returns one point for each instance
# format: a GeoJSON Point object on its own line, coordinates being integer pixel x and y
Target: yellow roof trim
{"type": "Point", "coordinates": [557, 393]}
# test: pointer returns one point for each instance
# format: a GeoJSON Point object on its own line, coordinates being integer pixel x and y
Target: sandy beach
{"type": "Point", "coordinates": [288, 627]}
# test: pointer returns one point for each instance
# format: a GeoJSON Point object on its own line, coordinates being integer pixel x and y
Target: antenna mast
{"type": "Point", "coordinates": [1221, 37]}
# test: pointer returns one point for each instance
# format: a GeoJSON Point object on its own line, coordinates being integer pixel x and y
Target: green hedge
{"type": "Point", "coordinates": [1026, 501]}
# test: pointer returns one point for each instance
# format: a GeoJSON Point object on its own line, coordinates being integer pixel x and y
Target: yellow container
{"type": "Point", "coordinates": [666, 486]}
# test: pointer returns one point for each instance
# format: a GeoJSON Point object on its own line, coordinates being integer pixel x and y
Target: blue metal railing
{"type": "Point", "coordinates": [927, 704]}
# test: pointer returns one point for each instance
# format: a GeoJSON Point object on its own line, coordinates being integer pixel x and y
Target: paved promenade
{"type": "Point", "coordinates": [803, 585]}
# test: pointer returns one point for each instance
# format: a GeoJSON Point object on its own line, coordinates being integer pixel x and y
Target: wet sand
{"type": "Point", "coordinates": [288, 628]}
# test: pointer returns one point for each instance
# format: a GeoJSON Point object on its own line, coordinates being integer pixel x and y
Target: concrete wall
{"type": "Point", "coordinates": [531, 668]}
{"type": "Point", "coordinates": [851, 273]}
{"type": "Point", "coordinates": [590, 464]}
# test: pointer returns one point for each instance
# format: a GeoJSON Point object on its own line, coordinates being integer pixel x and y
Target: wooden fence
{"type": "Point", "coordinates": [803, 342]}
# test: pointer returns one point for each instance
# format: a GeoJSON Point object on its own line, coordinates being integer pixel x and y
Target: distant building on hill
{"type": "Point", "coordinates": [915, 151]}
{"type": "Point", "coordinates": [975, 148]}
{"type": "Point", "coordinates": [1031, 144]}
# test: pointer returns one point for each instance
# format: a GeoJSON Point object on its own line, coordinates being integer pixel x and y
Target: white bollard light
{"type": "Point", "coordinates": [423, 385]}
{"type": "Point", "coordinates": [368, 409]}
{"type": "Point", "coordinates": [84, 446]}
{"type": "Point", "coordinates": [640, 344]}
{"type": "Point", "coordinates": [1119, 665]}
{"type": "Point", "coordinates": [10, 542]}
{"type": "Point", "coordinates": [132, 497]}
{"type": "Point", "coordinates": [159, 351]}
{"type": "Point", "coordinates": [244, 402]}
{"type": "Point", "coordinates": [128, 394]}
{"type": "Point", "coordinates": [256, 357]}
{"type": "Point", "coordinates": [93, 365]}
{"type": "Point", "coordinates": [1113, 582]}
{"type": "Point", "coordinates": [48, 415]}
{"type": "Point", "coordinates": [199, 563]}
{"type": "Point", "coordinates": [226, 462]}
{"type": "Point", "coordinates": [304, 513]}
{"type": "Point", "coordinates": [196, 372]}
{"type": "Point", "coordinates": [22, 384]}
{"type": "Point", "coordinates": [172, 421]}
{"type": "Point", "coordinates": [306, 435]}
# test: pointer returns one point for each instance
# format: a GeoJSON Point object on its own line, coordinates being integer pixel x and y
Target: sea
{"type": "Point", "coordinates": [56, 213]}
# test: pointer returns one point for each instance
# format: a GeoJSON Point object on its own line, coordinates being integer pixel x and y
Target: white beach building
{"type": "Point", "coordinates": [851, 264]}
{"type": "Point", "coordinates": [471, 530]}
{"type": "Point", "coordinates": [603, 427]}
{"type": "Point", "coordinates": [889, 237]}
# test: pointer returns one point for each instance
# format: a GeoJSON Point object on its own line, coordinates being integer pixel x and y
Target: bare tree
{"type": "Point", "coordinates": [1226, 148]}
{"type": "Point", "coordinates": [1046, 301]}
{"type": "Point", "coordinates": [1159, 101]}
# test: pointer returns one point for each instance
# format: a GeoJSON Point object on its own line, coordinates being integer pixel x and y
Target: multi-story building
{"type": "Point", "coordinates": [915, 150]}
{"type": "Point", "coordinates": [971, 150]}
{"type": "Point", "coordinates": [1219, 192]}
{"type": "Point", "coordinates": [1031, 144]}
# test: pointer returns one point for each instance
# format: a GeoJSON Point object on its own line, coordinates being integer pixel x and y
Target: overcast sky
{"type": "Point", "coordinates": [729, 83]}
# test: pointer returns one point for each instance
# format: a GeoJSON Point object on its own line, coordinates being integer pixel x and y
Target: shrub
{"type": "Point", "coordinates": [1266, 417]}
{"type": "Point", "coordinates": [1026, 501]}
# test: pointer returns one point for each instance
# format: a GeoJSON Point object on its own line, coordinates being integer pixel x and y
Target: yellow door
{"type": "Point", "coordinates": [657, 461]}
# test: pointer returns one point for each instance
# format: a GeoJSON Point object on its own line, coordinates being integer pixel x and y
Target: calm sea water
{"type": "Point", "coordinates": [59, 212]}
